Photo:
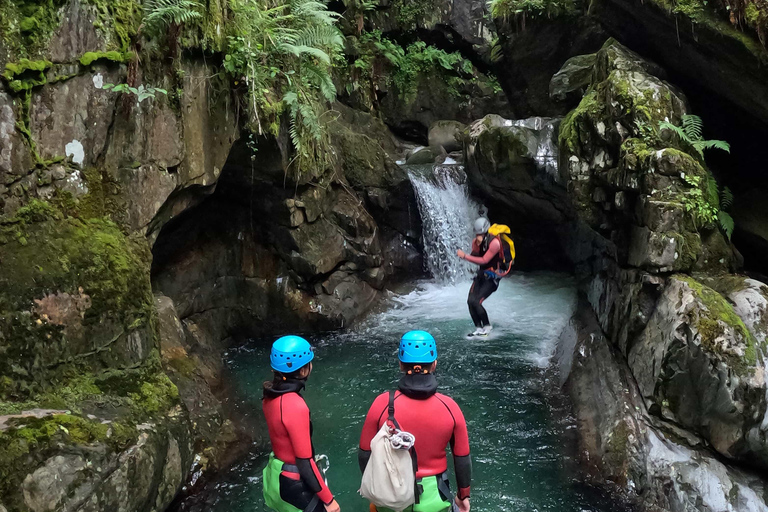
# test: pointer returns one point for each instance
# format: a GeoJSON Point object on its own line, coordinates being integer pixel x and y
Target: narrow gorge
{"type": "Point", "coordinates": [183, 180]}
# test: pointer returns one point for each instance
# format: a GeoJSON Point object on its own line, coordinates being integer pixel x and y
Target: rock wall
{"type": "Point", "coordinates": [667, 357]}
{"type": "Point", "coordinates": [139, 237]}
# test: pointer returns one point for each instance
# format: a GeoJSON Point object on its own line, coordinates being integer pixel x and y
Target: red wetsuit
{"type": "Point", "coordinates": [290, 432]}
{"type": "Point", "coordinates": [435, 421]}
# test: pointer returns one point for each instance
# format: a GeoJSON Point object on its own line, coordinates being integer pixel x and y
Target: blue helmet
{"type": "Point", "coordinates": [290, 353]}
{"type": "Point", "coordinates": [417, 347]}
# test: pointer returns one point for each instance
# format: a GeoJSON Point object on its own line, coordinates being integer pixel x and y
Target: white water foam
{"type": "Point", "coordinates": [534, 308]}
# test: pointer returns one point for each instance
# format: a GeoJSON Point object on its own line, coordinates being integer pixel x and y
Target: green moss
{"type": "Point", "coordinates": [26, 74]}
{"type": "Point", "coordinates": [184, 365]}
{"type": "Point", "coordinates": [409, 13]}
{"type": "Point", "coordinates": [44, 252]}
{"type": "Point", "coordinates": [523, 9]}
{"type": "Point", "coordinates": [711, 322]}
{"type": "Point", "coordinates": [26, 26]}
{"type": "Point", "coordinates": [30, 439]}
{"type": "Point", "coordinates": [114, 56]}
{"type": "Point", "coordinates": [120, 19]}
{"type": "Point", "coordinates": [689, 248]}
{"type": "Point", "coordinates": [577, 124]}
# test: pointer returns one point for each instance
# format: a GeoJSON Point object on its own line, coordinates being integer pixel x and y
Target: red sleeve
{"type": "Point", "coordinates": [493, 249]}
{"type": "Point", "coordinates": [460, 449]}
{"type": "Point", "coordinates": [371, 425]}
{"type": "Point", "coordinates": [296, 421]}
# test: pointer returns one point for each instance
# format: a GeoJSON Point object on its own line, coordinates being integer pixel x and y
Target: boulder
{"type": "Point", "coordinates": [436, 96]}
{"type": "Point", "coordinates": [750, 302]}
{"type": "Point", "coordinates": [427, 155]}
{"type": "Point", "coordinates": [75, 292]}
{"type": "Point", "coordinates": [571, 82]}
{"type": "Point", "coordinates": [697, 364]}
{"type": "Point", "coordinates": [660, 465]}
{"type": "Point", "coordinates": [446, 134]}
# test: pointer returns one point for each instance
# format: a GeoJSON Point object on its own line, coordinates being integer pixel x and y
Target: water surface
{"type": "Point", "coordinates": [521, 447]}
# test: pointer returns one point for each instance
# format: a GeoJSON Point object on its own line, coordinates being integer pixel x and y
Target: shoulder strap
{"type": "Point", "coordinates": [391, 410]}
{"type": "Point", "coordinates": [414, 457]}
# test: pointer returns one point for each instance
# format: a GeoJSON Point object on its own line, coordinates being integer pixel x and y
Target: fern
{"type": "Point", "coordinates": [726, 223]}
{"type": "Point", "coordinates": [285, 54]}
{"type": "Point", "coordinates": [161, 14]}
{"type": "Point", "coordinates": [726, 198]}
{"type": "Point", "coordinates": [691, 134]}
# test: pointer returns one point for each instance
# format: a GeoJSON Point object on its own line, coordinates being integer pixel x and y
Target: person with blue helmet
{"type": "Point", "coordinates": [434, 419]}
{"type": "Point", "coordinates": [292, 480]}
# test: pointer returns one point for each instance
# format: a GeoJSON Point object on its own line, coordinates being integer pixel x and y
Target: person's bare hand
{"type": "Point", "coordinates": [460, 254]}
{"type": "Point", "coordinates": [334, 507]}
{"type": "Point", "coordinates": [462, 504]}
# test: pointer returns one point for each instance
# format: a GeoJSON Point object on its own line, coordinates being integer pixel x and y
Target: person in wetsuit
{"type": "Point", "coordinates": [435, 421]}
{"type": "Point", "coordinates": [485, 253]}
{"type": "Point", "coordinates": [292, 480]}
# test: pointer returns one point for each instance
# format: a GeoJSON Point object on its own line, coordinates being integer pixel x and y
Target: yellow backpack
{"type": "Point", "coordinates": [507, 254]}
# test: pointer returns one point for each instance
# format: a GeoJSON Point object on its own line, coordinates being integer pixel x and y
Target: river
{"type": "Point", "coordinates": [521, 436]}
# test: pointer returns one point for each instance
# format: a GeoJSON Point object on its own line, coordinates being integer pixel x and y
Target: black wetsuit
{"type": "Point", "coordinates": [484, 283]}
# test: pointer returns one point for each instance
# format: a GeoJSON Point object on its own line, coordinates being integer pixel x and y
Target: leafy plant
{"type": "Point", "coordinates": [518, 10]}
{"type": "Point", "coordinates": [723, 217]}
{"type": "Point", "coordinates": [283, 51]}
{"type": "Point", "coordinates": [141, 92]}
{"type": "Point", "coordinates": [160, 15]}
{"type": "Point", "coordinates": [690, 134]}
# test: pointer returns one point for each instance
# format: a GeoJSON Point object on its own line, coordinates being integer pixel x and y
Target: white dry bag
{"type": "Point", "coordinates": [389, 480]}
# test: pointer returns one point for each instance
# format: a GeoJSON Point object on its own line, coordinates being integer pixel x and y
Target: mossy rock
{"type": "Point", "coordinates": [72, 292]}
{"type": "Point", "coordinates": [699, 363]}
{"type": "Point", "coordinates": [715, 320]}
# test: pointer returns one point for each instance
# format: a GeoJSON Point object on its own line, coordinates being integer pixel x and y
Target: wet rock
{"type": "Point", "coordinates": [699, 365]}
{"type": "Point", "coordinates": [45, 489]}
{"type": "Point", "coordinates": [427, 155]}
{"type": "Point", "coordinates": [572, 80]}
{"type": "Point", "coordinates": [661, 251]}
{"type": "Point", "coordinates": [15, 157]}
{"type": "Point", "coordinates": [435, 98]}
{"type": "Point", "coordinates": [750, 302]}
{"type": "Point", "coordinates": [659, 465]}
{"type": "Point", "coordinates": [446, 134]}
{"type": "Point", "coordinates": [77, 33]}
{"type": "Point", "coordinates": [72, 118]}
{"type": "Point", "coordinates": [146, 188]}
{"type": "Point", "coordinates": [81, 291]}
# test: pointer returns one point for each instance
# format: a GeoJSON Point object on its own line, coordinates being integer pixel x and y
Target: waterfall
{"type": "Point", "coordinates": [447, 215]}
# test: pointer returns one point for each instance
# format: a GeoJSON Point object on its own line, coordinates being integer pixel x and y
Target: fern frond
{"type": "Point", "coordinates": [299, 50]}
{"type": "Point", "coordinates": [701, 145]}
{"type": "Point", "coordinates": [679, 131]}
{"type": "Point", "coordinates": [726, 198]}
{"type": "Point", "coordinates": [496, 52]}
{"type": "Point", "coordinates": [322, 79]}
{"type": "Point", "coordinates": [713, 192]}
{"type": "Point", "coordinates": [693, 127]}
{"type": "Point", "coordinates": [726, 223]}
{"type": "Point", "coordinates": [161, 14]}
{"type": "Point", "coordinates": [324, 36]}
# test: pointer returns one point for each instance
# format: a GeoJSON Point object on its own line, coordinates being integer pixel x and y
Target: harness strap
{"type": "Point", "coordinates": [412, 451]}
{"type": "Point", "coordinates": [290, 468]}
{"type": "Point", "coordinates": [312, 504]}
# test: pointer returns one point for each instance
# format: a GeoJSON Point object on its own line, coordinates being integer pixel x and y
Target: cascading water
{"type": "Point", "coordinates": [447, 214]}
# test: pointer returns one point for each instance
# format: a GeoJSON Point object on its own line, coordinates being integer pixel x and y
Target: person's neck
{"type": "Point", "coordinates": [418, 385]}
